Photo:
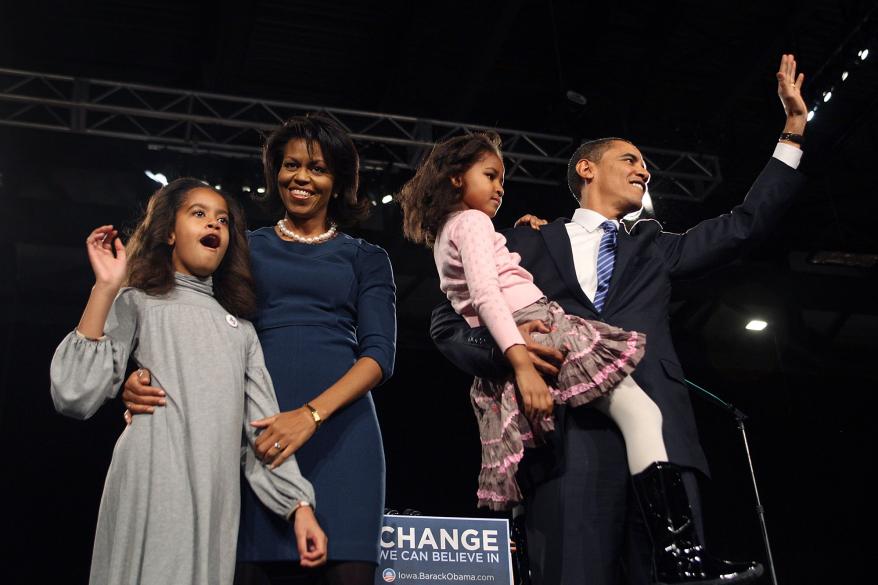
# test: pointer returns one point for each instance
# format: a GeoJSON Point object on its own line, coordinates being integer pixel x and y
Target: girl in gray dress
{"type": "Point", "coordinates": [169, 511]}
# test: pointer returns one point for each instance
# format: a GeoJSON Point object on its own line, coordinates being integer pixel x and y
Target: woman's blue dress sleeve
{"type": "Point", "coordinates": [376, 308]}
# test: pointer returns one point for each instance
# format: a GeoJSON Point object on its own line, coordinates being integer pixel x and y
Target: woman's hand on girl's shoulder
{"type": "Point", "coordinates": [532, 220]}
{"type": "Point", "coordinates": [283, 434]}
{"type": "Point", "coordinates": [106, 254]}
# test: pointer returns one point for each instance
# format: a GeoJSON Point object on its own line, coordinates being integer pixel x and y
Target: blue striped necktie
{"type": "Point", "coordinates": [606, 260]}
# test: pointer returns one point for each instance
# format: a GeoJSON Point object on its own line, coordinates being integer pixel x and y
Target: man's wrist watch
{"type": "Point", "coordinates": [791, 137]}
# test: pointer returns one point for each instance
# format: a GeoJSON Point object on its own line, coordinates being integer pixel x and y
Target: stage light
{"type": "Point", "coordinates": [846, 67]}
{"type": "Point", "coordinates": [245, 189]}
{"type": "Point", "coordinates": [157, 177]}
{"type": "Point", "coordinates": [387, 199]}
{"type": "Point", "coordinates": [756, 325]}
{"type": "Point", "coordinates": [260, 190]}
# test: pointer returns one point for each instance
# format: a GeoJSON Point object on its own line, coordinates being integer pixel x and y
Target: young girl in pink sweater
{"type": "Point", "coordinates": [448, 205]}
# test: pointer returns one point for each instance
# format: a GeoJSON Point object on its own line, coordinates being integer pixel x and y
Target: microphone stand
{"type": "Point", "coordinates": [740, 417]}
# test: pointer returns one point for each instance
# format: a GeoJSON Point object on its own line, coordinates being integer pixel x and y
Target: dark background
{"type": "Point", "coordinates": [683, 75]}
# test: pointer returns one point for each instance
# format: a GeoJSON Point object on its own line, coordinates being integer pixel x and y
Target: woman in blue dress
{"type": "Point", "coordinates": [327, 324]}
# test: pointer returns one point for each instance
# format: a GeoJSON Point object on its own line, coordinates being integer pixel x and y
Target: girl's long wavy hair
{"type": "Point", "coordinates": [151, 269]}
{"type": "Point", "coordinates": [429, 196]}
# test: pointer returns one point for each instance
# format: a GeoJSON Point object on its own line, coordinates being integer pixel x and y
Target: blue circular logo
{"type": "Point", "coordinates": [389, 575]}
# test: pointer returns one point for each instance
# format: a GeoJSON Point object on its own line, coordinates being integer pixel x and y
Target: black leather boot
{"type": "Point", "coordinates": [678, 555]}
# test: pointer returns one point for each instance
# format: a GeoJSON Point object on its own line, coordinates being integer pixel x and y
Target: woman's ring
{"type": "Point", "coordinates": [277, 446]}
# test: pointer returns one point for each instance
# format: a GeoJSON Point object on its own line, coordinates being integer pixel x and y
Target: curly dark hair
{"type": "Point", "coordinates": [151, 269]}
{"type": "Point", "coordinates": [349, 208]}
{"type": "Point", "coordinates": [429, 196]}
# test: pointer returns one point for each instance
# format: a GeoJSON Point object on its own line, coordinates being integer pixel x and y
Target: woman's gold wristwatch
{"type": "Point", "coordinates": [314, 414]}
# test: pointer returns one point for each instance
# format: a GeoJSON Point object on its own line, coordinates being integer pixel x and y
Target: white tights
{"type": "Point", "coordinates": [640, 421]}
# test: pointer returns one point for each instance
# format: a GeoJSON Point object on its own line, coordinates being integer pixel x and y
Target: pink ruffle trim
{"type": "Point", "coordinates": [492, 496]}
{"type": "Point", "coordinates": [507, 462]}
{"type": "Point", "coordinates": [505, 426]}
{"type": "Point", "coordinates": [602, 376]}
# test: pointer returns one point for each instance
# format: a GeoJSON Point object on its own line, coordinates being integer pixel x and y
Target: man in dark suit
{"type": "Point", "coordinates": [583, 525]}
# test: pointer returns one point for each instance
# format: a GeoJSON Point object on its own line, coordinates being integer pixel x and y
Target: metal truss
{"type": "Point", "coordinates": [201, 122]}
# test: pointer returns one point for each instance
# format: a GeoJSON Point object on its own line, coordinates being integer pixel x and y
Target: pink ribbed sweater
{"type": "Point", "coordinates": [481, 277]}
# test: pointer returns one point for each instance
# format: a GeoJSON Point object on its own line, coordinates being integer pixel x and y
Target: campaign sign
{"type": "Point", "coordinates": [430, 549]}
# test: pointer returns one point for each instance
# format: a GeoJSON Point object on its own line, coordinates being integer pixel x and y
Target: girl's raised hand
{"type": "Point", "coordinates": [107, 257]}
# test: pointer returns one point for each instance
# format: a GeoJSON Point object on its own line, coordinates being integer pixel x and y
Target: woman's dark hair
{"type": "Point", "coordinates": [151, 269]}
{"type": "Point", "coordinates": [429, 196]}
{"type": "Point", "coordinates": [340, 155]}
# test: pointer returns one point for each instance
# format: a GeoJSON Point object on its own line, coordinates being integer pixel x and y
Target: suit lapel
{"type": "Point", "coordinates": [558, 243]}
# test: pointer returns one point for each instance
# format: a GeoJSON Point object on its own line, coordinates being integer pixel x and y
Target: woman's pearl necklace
{"type": "Point", "coordinates": [318, 239]}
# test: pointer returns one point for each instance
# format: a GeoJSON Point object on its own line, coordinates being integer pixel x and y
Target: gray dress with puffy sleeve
{"type": "Point", "coordinates": [170, 507]}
